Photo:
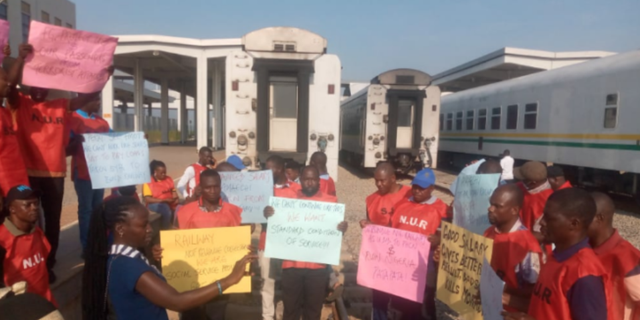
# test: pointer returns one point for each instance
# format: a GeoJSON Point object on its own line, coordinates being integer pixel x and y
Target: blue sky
{"type": "Point", "coordinates": [372, 36]}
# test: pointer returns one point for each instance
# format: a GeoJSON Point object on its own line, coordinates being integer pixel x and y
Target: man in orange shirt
{"type": "Point", "coordinates": [209, 211]}
{"type": "Point", "coordinates": [304, 283]}
{"type": "Point", "coordinates": [379, 211]}
{"type": "Point", "coordinates": [556, 178]}
{"type": "Point", "coordinates": [319, 160]}
{"type": "Point", "coordinates": [12, 169]}
{"type": "Point", "coordinates": [619, 258]}
{"type": "Point", "coordinates": [533, 177]}
{"type": "Point", "coordinates": [43, 135]}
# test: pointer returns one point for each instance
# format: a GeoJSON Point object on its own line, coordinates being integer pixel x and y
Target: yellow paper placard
{"type": "Point", "coordinates": [460, 269]}
{"type": "Point", "coordinates": [195, 258]}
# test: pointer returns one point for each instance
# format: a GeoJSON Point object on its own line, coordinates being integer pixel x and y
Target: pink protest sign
{"type": "Point", "coordinates": [67, 59]}
{"type": "Point", "coordinates": [394, 261]}
{"type": "Point", "coordinates": [4, 37]}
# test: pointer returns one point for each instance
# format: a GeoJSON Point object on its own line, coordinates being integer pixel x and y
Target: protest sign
{"type": "Point", "coordinates": [468, 170]}
{"type": "Point", "coordinates": [304, 231]}
{"type": "Point", "coordinates": [250, 191]}
{"type": "Point", "coordinates": [491, 288]}
{"type": "Point", "coordinates": [461, 260]}
{"type": "Point", "coordinates": [116, 159]}
{"type": "Point", "coordinates": [4, 37]}
{"type": "Point", "coordinates": [195, 258]}
{"type": "Point", "coordinates": [68, 59]}
{"type": "Point", "coordinates": [471, 202]}
{"type": "Point", "coordinates": [394, 261]}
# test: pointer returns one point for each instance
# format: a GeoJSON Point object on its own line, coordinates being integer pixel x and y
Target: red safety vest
{"type": "Point", "coordinates": [619, 258]}
{"type": "Point", "coordinates": [12, 169]}
{"type": "Point", "coordinates": [549, 301]}
{"type": "Point", "coordinates": [26, 259]}
{"type": "Point", "coordinates": [533, 207]}
{"type": "Point", "coordinates": [197, 170]}
{"type": "Point", "coordinates": [328, 186]}
{"type": "Point", "coordinates": [162, 189]}
{"type": "Point", "coordinates": [380, 207]}
{"type": "Point", "coordinates": [191, 216]}
{"type": "Point", "coordinates": [420, 218]}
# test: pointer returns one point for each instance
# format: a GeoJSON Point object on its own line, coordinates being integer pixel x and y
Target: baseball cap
{"type": "Point", "coordinates": [424, 178]}
{"type": "Point", "coordinates": [531, 171]}
{"type": "Point", "coordinates": [21, 192]}
{"type": "Point", "coordinates": [236, 162]}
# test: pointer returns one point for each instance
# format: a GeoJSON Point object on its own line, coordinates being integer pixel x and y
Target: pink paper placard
{"type": "Point", "coordinates": [67, 59]}
{"type": "Point", "coordinates": [4, 37]}
{"type": "Point", "coordinates": [394, 261]}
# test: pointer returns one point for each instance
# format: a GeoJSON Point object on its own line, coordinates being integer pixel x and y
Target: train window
{"type": "Point", "coordinates": [441, 121]}
{"type": "Point", "coordinates": [405, 116]}
{"type": "Point", "coordinates": [611, 111]}
{"type": "Point", "coordinates": [459, 121]}
{"type": "Point", "coordinates": [470, 115]}
{"type": "Point", "coordinates": [512, 117]}
{"type": "Point", "coordinates": [482, 119]}
{"type": "Point", "coordinates": [495, 118]}
{"type": "Point", "coordinates": [449, 121]}
{"type": "Point", "coordinates": [530, 115]}
{"type": "Point", "coordinates": [284, 97]}
{"type": "Point", "coordinates": [405, 79]}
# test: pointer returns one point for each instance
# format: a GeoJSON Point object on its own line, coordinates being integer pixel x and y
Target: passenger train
{"type": "Point", "coordinates": [583, 117]}
{"type": "Point", "coordinates": [394, 118]}
{"type": "Point", "coordinates": [283, 97]}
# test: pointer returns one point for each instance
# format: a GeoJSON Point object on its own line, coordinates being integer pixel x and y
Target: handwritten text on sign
{"type": "Point", "coordinates": [394, 261]}
{"type": "Point", "coordinates": [4, 36]}
{"type": "Point", "coordinates": [304, 231]}
{"type": "Point", "coordinates": [471, 203]}
{"type": "Point", "coordinates": [116, 159]}
{"type": "Point", "coordinates": [250, 191]}
{"type": "Point", "coordinates": [195, 258]}
{"type": "Point", "coordinates": [461, 258]}
{"type": "Point", "coordinates": [68, 59]}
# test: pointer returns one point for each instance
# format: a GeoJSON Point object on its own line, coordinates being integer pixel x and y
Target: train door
{"type": "Point", "coordinates": [283, 111]}
{"type": "Point", "coordinates": [406, 112]}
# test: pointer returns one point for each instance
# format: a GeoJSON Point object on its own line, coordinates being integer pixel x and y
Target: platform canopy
{"type": "Point", "coordinates": [508, 63]}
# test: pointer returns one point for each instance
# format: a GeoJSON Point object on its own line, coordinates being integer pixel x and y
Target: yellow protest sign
{"type": "Point", "coordinates": [195, 258]}
{"type": "Point", "coordinates": [461, 258]}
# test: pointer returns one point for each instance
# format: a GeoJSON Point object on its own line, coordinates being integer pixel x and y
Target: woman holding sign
{"type": "Point", "coordinates": [119, 281]}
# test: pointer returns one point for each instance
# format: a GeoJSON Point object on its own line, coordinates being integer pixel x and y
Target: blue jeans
{"type": "Point", "coordinates": [166, 216]}
{"type": "Point", "coordinates": [88, 199]}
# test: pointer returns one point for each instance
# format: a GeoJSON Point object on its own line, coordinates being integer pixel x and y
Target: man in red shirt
{"type": "Point", "coordinates": [573, 284]}
{"type": "Point", "coordinates": [23, 246]}
{"type": "Point", "coordinates": [43, 135]}
{"type": "Point", "coordinates": [270, 269]}
{"type": "Point", "coordinates": [319, 160]}
{"type": "Point", "coordinates": [304, 283]}
{"type": "Point", "coordinates": [556, 178]}
{"type": "Point", "coordinates": [379, 211]}
{"type": "Point", "coordinates": [191, 177]}
{"type": "Point", "coordinates": [619, 258]}
{"type": "Point", "coordinates": [517, 255]}
{"type": "Point", "coordinates": [209, 211]}
{"type": "Point", "coordinates": [12, 169]}
{"type": "Point", "coordinates": [533, 177]}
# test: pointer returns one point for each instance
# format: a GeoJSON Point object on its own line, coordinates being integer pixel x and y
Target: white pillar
{"type": "Point", "coordinates": [183, 119]}
{"type": "Point", "coordinates": [107, 102]}
{"type": "Point", "coordinates": [164, 111]}
{"type": "Point", "coordinates": [217, 105]}
{"type": "Point", "coordinates": [138, 96]}
{"type": "Point", "coordinates": [214, 92]}
{"type": "Point", "coordinates": [202, 109]}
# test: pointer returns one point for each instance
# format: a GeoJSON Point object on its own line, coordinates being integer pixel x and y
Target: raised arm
{"type": "Point", "coordinates": [15, 74]}
{"type": "Point", "coordinates": [163, 295]}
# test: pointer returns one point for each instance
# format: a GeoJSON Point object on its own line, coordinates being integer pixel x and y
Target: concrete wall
{"type": "Point", "coordinates": [62, 9]}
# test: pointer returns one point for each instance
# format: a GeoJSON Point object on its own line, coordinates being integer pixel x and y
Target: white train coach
{"type": "Point", "coordinates": [395, 119]}
{"type": "Point", "coordinates": [282, 97]}
{"type": "Point", "coordinates": [583, 118]}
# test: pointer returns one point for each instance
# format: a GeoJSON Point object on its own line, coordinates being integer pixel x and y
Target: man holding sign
{"type": "Point", "coordinates": [43, 133]}
{"type": "Point", "coordinates": [304, 283]}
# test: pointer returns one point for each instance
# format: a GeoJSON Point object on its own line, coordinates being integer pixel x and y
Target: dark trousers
{"type": "Point", "coordinates": [380, 302]}
{"type": "Point", "coordinates": [303, 293]}
{"type": "Point", "coordinates": [212, 310]}
{"type": "Point", "coordinates": [52, 190]}
{"type": "Point", "coordinates": [411, 310]}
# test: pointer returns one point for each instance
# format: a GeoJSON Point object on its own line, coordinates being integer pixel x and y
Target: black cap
{"type": "Point", "coordinates": [554, 171]}
{"type": "Point", "coordinates": [21, 192]}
